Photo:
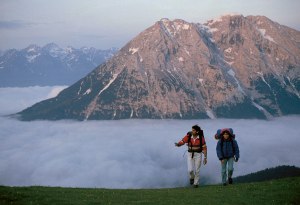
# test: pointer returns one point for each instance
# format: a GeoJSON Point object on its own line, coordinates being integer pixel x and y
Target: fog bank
{"type": "Point", "coordinates": [129, 153]}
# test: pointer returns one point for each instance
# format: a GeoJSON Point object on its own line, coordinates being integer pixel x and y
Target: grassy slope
{"type": "Point", "coordinates": [282, 191]}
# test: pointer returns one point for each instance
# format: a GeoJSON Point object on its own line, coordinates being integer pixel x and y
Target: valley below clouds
{"type": "Point", "coordinates": [127, 153]}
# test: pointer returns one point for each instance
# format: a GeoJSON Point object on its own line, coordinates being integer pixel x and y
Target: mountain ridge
{"type": "Point", "coordinates": [48, 65]}
{"type": "Point", "coordinates": [235, 67]}
{"type": "Point", "coordinates": [278, 172]}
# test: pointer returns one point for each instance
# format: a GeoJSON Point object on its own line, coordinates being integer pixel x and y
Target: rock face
{"type": "Point", "coordinates": [48, 65]}
{"type": "Point", "coordinates": [232, 67]}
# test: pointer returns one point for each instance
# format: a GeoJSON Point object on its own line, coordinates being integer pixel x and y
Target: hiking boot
{"type": "Point", "coordinates": [230, 180]}
{"type": "Point", "coordinates": [195, 186]}
{"type": "Point", "coordinates": [191, 181]}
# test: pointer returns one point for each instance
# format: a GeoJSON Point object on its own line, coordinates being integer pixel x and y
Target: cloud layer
{"type": "Point", "coordinates": [13, 24]}
{"type": "Point", "coordinates": [15, 99]}
{"type": "Point", "coordinates": [128, 153]}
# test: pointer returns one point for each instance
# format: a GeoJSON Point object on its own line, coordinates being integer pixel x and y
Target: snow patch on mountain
{"type": "Point", "coordinates": [133, 50]}
{"type": "Point", "coordinates": [229, 63]}
{"type": "Point", "coordinates": [88, 91]}
{"type": "Point", "coordinates": [264, 80]}
{"type": "Point", "coordinates": [294, 87]}
{"type": "Point", "coordinates": [228, 50]}
{"type": "Point", "coordinates": [232, 73]}
{"type": "Point", "coordinates": [201, 80]}
{"type": "Point", "coordinates": [221, 18]}
{"type": "Point", "coordinates": [181, 26]}
{"type": "Point", "coordinates": [263, 33]}
{"type": "Point", "coordinates": [31, 58]}
{"type": "Point", "coordinates": [80, 87]}
{"type": "Point", "coordinates": [109, 83]}
{"type": "Point", "coordinates": [210, 114]}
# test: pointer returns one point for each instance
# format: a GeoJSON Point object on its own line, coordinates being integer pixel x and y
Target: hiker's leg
{"type": "Point", "coordinates": [223, 171]}
{"type": "Point", "coordinates": [230, 167]}
{"type": "Point", "coordinates": [197, 161]}
{"type": "Point", "coordinates": [190, 163]}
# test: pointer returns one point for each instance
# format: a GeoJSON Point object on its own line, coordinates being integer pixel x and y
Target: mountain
{"type": "Point", "coordinates": [48, 65]}
{"type": "Point", "coordinates": [231, 67]}
{"type": "Point", "coordinates": [269, 174]}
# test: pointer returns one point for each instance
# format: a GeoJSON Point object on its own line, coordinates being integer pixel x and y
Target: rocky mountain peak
{"type": "Point", "coordinates": [234, 67]}
{"type": "Point", "coordinates": [32, 48]}
{"type": "Point", "coordinates": [229, 19]}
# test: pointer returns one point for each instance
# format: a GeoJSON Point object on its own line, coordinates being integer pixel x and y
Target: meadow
{"type": "Point", "coordinates": [282, 191]}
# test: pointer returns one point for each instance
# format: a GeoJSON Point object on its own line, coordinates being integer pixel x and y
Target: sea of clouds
{"type": "Point", "coordinates": [127, 153]}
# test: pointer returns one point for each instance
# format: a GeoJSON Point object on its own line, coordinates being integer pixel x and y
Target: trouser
{"type": "Point", "coordinates": [194, 164]}
{"type": "Point", "coordinates": [228, 164]}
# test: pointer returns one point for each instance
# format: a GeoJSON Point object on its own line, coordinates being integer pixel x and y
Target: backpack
{"type": "Point", "coordinates": [218, 136]}
{"type": "Point", "coordinates": [219, 133]}
{"type": "Point", "coordinates": [201, 134]}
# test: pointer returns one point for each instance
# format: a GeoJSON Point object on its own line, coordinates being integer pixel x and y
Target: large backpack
{"type": "Point", "coordinates": [219, 133]}
{"type": "Point", "coordinates": [201, 134]}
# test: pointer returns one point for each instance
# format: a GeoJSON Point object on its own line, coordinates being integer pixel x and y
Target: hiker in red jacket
{"type": "Point", "coordinates": [196, 146]}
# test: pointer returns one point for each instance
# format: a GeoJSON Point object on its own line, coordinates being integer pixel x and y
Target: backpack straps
{"type": "Point", "coordinates": [190, 144]}
{"type": "Point", "coordinates": [200, 136]}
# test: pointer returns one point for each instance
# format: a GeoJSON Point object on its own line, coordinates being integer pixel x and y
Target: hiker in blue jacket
{"type": "Point", "coordinates": [227, 151]}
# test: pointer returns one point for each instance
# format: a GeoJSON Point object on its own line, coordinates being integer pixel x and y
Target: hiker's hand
{"type": "Point", "coordinates": [222, 161]}
{"type": "Point", "coordinates": [205, 161]}
{"type": "Point", "coordinates": [176, 144]}
{"type": "Point", "coordinates": [236, 159]}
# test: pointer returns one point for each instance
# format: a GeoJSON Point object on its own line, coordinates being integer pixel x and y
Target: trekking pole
{"type": "Point", "coordinates": [184, 153]}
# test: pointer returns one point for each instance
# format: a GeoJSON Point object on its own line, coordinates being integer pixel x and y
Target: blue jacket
{"type": "Point", "coordinates": [230, 149]}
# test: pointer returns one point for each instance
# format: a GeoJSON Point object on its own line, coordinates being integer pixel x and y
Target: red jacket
{"type": "Point", "coordinates": [194, 144]}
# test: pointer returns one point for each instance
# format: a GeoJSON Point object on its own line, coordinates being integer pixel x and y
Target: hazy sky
{"type": "Point", "coordinates": [112, 23]}
{"type": "Point", "coordinates": [127, 153]}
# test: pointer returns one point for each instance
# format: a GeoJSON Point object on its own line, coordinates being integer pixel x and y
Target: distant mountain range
{"type": "Point", "coordinates": [269, 174]}
{"type": "Point", "coordinates": [48, 65]}
{"type": "Point", "coordinates": [231, 67]}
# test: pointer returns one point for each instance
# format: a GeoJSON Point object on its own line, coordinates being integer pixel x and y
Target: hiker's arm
{"type": "Point", "coordinates": [237, 151]}
{"type": "Point", "coordinates": [219, 151]}
{"type": "Point", "coordinates": [204, 150]}
{"type": "Point", "coordinates": [204, 147]}
{"type": "Point", "coordinates": [183, 141]}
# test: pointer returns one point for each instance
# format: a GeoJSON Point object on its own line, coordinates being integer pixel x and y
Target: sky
{"type": "Point", "coordinates": [112, 23]}
{"type": "Point", "coordinates": [127, 153]}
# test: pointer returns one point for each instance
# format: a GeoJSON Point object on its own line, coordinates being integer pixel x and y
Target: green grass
{"type": "Point", "coordinates": [282, 191]}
